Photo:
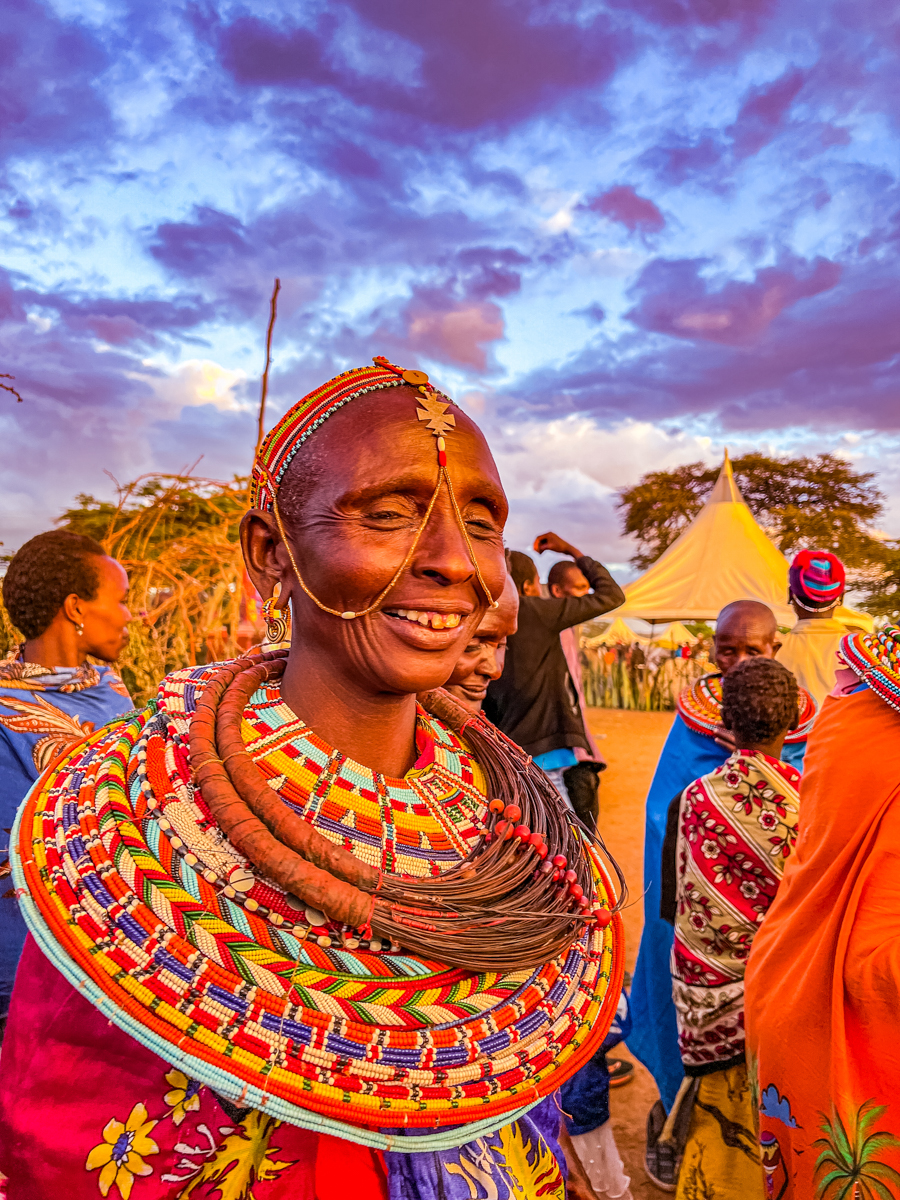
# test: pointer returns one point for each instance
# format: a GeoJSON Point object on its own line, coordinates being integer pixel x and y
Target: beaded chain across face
{"type": "Point", "coordinates": [431, 410]}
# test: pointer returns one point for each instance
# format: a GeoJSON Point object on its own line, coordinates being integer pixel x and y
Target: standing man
{"type": "Point", "coordinates": [698, 742]}
{"type": "Point", "coordinates": [535, 701]}
{"type": "Point", "coordinates": [816, 581]}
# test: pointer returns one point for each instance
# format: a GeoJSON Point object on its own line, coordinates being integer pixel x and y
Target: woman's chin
{"type": "Point", "coordinates": [409, 675]}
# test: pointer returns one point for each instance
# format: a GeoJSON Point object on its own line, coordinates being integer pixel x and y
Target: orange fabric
{"type": "Point", "coordinates": [346, 1171]}
{"type": "Point", "coordinates": [822, 995]}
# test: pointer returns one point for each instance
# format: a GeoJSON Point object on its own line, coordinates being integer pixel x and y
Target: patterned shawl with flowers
{"type": "Point", "coordinates": [42, 711]}
{"type": "Point", "coordinates": [736, 827]}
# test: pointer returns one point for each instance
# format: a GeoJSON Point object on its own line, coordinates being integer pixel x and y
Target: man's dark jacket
{"type": "Point", "coordinates": [534, 701]}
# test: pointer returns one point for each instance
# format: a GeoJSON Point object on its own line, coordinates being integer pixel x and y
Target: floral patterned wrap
{"type": "Point", "coordinates": [87, 1112]}
{"type": "Point", "coordinates": [137, 897]}
{"type": "Point", "coordinates": [736, 828]}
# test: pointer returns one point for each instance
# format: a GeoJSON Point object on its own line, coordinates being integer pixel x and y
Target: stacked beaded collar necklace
{"type": "Point", "coordinates": [700, 707]}
{"type": "Point", "coordinates": [875, 657]}
{"type": "Point", "coordinates": [301, 421]}
{"type": "Point", "coordinates": [132, 891]}
{"type": "Point", "coordinates": [520, 897]}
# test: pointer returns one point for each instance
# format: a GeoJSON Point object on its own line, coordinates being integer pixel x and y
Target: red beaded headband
{"type": "Point", "coordinates": [307, 415]}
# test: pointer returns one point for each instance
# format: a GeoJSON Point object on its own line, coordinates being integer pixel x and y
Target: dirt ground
{"type": "Point", "coordinates": [630, 742]}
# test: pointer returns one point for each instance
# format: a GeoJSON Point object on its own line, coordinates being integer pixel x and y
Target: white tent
{"type": "Point", "coordinates": [722, 556]}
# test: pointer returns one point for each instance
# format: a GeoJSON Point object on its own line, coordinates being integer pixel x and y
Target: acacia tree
{"type": "Point", "coordinates": [815, 502]}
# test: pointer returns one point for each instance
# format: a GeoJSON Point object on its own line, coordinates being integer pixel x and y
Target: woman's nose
{"type": "Point", "coordinates": [442, 554]}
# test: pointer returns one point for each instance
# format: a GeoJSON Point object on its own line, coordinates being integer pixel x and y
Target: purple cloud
{"type": "Point", "coordinates": [195, 248]}
{"type": "Point", "coordinates": [50, 97]}
{"type": "Point", "coordinates": [763, 112]}
{"type": "Point", "coordinates": [699, 12]}
{"type": "Point", "coordinates": [679, 159]}
{"type": "Point", "coordinates": [833, 360]}
{"type": "Point", "coordinates": [624, 205]}
{"type": "Point", "coordinates": [674, 298]}
{"type": "Point", "coordinates": [477, 61]}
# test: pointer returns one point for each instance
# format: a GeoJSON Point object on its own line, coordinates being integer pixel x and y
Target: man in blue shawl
{"type": "Point", "coordinates": [68, 598]}
{"type": "Point", "coordinates": [697, 744]}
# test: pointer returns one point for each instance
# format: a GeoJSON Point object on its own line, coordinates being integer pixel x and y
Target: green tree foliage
{"type": "Point", "coordinates": [879, 590]}
{"type": "Point", "coordinates": [819, 502]}
{"type": "Point", "coordinates": [177, 537]}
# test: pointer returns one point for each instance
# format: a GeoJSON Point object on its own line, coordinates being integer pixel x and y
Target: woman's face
{"type": "Point", "coordinates": [365, 490]}
{"type": "Point", "coordinates": [105, 618]}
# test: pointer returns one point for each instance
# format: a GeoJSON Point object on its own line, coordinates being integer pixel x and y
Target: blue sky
{"type": "Point", "coordinates": [623, 235]}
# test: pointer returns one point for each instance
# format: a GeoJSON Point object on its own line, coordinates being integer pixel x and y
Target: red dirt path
{"type": "Point", "coordinates": [630, 742]}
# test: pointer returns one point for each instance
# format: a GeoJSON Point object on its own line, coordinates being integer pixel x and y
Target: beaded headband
{"type": "Point", "coordinates": [302, 420]}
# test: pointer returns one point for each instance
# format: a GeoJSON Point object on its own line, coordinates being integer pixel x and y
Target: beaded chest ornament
{"type": "Point", "coordinates": [700, 707]}
{"type": "Point", "coordinates": [875, 658]}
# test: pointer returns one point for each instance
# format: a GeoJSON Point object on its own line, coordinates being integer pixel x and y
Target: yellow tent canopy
{"type": "Point", "coordinates": [615, 634]}
{"type": "Point", "coordinates": [723, 555]}
{"type": "Point", "coordinates": [676, 635]}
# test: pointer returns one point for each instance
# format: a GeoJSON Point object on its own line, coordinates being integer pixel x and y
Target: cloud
{"type": "Point", "coordinates": [762, 113]}
{"type": "Point", "coordinates": [674, 298]}
{"type": "Point", "coordinates": [624, 205]}
{"type": "Point", "coordinates": [455, 335]}
{"type": "Point", "coordinates": [199, 381]}
{"type": "Point", "coordinates": [473, 63]}
{"type": "Point", "coordinates": [563, 474]}
{"type": "Point", "coordinates": [681, 158]}
{"type": "Point", "coordinates": [416, 176]}
{"type": "Point", "coordinates": [703, 13]}
{"type": "Point", "coordinates": [50, 98]}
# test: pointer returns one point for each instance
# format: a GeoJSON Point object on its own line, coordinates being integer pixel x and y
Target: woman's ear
{"type": "Point", "coordinates": [265, 556]}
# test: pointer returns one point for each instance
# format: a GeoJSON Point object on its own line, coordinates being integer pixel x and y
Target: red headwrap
{"type": "Point", "coordinates": [817, 579]}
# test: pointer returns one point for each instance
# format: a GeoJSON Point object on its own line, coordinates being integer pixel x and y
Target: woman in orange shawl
{"type": "Point", "coordinates": [823, 980]}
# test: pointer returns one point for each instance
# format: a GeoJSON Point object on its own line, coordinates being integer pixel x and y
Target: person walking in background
{"type": "Point", "coordinates": [582, 780]}
{"type": "Point", "coordinates": [728, 837]}
{"type": "Point", "coordinates": [483, 658]}
{"type": "Point", "coordinates": [697, 743]}
{"type": "Point", "coordinates": [534, 701]}
{"type": "Point", "coordinates": [817, 579]}
{"type": "Point", "coordinates": [67, 597]}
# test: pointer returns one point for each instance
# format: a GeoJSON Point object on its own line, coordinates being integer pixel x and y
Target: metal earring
{"type": "Point", "coordinates": [276, 621]}
{"type": "Point", "coordinates": [79, 629]}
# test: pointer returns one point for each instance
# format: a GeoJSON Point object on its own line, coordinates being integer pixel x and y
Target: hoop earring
{"type": "Point", "coordinates": [276, 623]}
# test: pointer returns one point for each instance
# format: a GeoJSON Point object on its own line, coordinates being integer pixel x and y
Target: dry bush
{"type": "Point", "coordinates": [177, 537]}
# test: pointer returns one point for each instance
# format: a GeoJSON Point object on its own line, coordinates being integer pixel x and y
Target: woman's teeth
{"type": "Point", "coordinates": [434, 620]}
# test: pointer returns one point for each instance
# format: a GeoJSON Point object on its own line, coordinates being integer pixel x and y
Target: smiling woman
{"type": "Point", "coordinates": [354, 920]}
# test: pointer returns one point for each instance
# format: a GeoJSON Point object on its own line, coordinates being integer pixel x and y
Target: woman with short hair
{"type": "Point", "coordinates": [67, 597]}
{"type": "Point", "coordinates": [290, 923]}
